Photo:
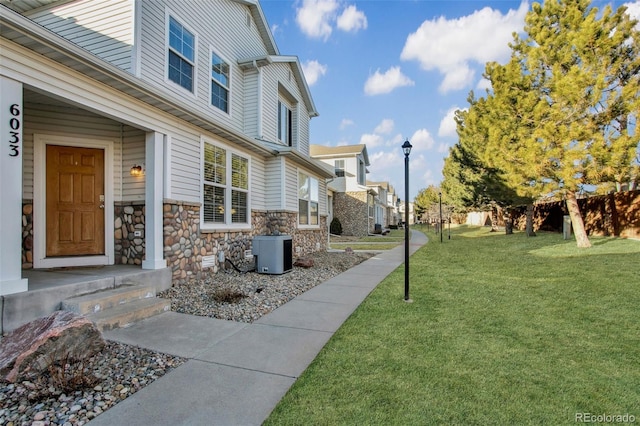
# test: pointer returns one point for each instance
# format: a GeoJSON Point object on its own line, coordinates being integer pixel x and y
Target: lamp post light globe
{"type": "Point", "coordinates": [406, 149]}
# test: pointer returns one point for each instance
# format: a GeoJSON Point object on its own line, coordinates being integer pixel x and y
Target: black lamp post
{"type": "Point", "coordinates": [406, 148]}
{"type": "Point", "coordinates": [440, 195]}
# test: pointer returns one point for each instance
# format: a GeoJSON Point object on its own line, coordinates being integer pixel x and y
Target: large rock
{"type": "Point", "coordinates": [31, 348]}
{"type": "Point", "coordinates": [304, 262]}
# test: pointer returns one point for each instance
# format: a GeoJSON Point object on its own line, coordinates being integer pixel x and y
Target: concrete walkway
{"type": "Point", "coordinates": [236, 373]}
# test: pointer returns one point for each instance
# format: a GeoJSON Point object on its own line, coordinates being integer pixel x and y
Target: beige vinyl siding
{"type": "Point", "coordinates": [251, 102]}
{"type": "Point", "coordinates": [322, 193]}
{"type": "Point", "coordinates": [291, 186]}
{"type": "Point", "coordinates": [47, 77]}
{"type": "Point", "coordinates": [279, 82]}
{"type": "Point", "coordinates": [274, 194]}
{"type": "Point", "coordinates": [103, 28]}
{"type": "Point", "coordinates": [133, 152]}
{"type": "Point", "coordinates": [303, 130]}
{"type": "Point", "coordinates": [269, 104]}
{"type": "Point", "coordinates": [258, 184]}
{"type": "Point", "coordinates": [66, 121]}
{"type": "Point", "coordinates": [185, 167]}
{"type": "Point", "coordinates": [212, 31]}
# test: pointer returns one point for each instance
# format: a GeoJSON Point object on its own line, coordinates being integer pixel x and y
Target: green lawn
{"type": "Point", "coordinates": [372, 242]}
{"type": "Point", "coordinates": [504, 329]}
{"type": "Point", "coordinates": [365, 246]}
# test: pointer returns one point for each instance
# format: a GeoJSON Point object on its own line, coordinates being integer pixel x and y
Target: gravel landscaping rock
{"type": "Point", "coordinates": [245, 297]}
{"type": "Point", "coordinates": [121, 370]}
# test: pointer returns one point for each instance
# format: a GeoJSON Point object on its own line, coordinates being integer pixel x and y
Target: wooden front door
{"type": "Point", "coordinates": [75, 201]}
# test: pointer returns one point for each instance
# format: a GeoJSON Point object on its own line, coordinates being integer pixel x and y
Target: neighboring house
{"type": "Point", "coordinates": [392, 206]}
{"type": "Point", "coordinates": [160, 133]}
{"type": "Point", "coordinates": [385, 210]}
{"type": "Point", "coordinates": [401, 212]}
{"type": "Point", "coordinates": [353, 200]}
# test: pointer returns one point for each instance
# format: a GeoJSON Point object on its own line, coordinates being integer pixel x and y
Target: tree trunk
{"type": "Point", "coordinates": [576, 221]}
{"type": "Point", "coordinates": [529, 225]}
{"type": "Point", "coordinates": [508, 222]}
{"type": "Point", "coordinates": [494, 218]}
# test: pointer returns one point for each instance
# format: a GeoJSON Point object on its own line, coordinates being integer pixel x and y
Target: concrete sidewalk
{"type": "Point", "coordinates": [236, 373]}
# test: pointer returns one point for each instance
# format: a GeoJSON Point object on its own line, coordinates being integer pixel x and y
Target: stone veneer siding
{"type": "Point", "coordinates": [184, 243]}
{"type": "Point", "coordinates": [351, 210]}
{"type": "Point", "coordinates": [129, 233]}
{"type": "Point", "coordinates": [27, 234]}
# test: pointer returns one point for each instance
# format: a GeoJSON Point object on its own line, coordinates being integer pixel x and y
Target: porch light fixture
{"type": "Point", "coordinates": [136, 170]}
{"type": "Point", "coordinates": [406, 148]}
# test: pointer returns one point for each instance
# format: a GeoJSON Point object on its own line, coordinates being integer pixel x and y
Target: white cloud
{"type": "Point", "coordinates": [443, 148]}
{"type": "Point", "coordinates": [457, 79]}
{"type": "Point", "coordinates": [483, 84]}
{"type": "Point", "coordinates": [314, 17]}
{"type": "Point", "coordinates": [352, 20]}
{"type": "Point", "coordinates": [313, 70]}
{"type": "Point", "coordinates": [385, 127]}
{"type": "Point", "coordinates": [371, 140]}
{"type": "Point", "coordinates": [346, 122]}
{"type": "Point", "coordinates": [451, 45]}
{"type": "Point", "coordinates": [396, 141]}
{"type": "Point", "coordinates": [421, 140]}
{"type": "Point", "coordinates": [382, 160]}
{"type": "Point", "coordinates": [378, 83]}
{"type": "Point", "coordinates": [448, 124]}
{"type": "Point", "coordinates": [317, 18]}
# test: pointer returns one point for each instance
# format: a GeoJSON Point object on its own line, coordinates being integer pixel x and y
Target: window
{"type": "Point", "coordinates": [181, 55]}
{"type": "Point", "coordinates": [225, 187]}
{"type": "Point", "coordinates": [219, 83]}
{"type": "Point", "coordinates": [308, 194]}
{"type": "Point", "coordinates": [284, 124]}
{"type": "Point", "coordinates": [339, 168]}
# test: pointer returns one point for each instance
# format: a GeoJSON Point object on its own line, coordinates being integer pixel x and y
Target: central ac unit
{"type": "Point", "coordinates": [273, 253]}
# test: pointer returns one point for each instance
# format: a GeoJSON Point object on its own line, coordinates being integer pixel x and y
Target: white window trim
{"type": "Point", "coordinates": [227, 226]}
{"type": "Point", "coordinates": [311, 176]}
{"type": "Point", "coordinates": [168, 81]}
{"type": "Point", "coordinates": [210, 79]}
{"type": "Point", "coordinates": [287, 105]}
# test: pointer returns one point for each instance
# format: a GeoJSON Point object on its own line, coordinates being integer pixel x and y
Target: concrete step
{"type": "Point", "coordinates": [106, 299]}
{"type": "Point", "coordinates": [129, 313]}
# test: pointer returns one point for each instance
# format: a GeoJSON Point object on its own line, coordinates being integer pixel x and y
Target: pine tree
{"type": "Point", "coordinates": [561, 113]}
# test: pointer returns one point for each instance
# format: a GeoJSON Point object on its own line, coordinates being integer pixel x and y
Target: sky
{"type": "Point", "coordinates": [384, 71]}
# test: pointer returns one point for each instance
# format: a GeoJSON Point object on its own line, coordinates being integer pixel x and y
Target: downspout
{"type": "Point", "coordinates": [259, 112]}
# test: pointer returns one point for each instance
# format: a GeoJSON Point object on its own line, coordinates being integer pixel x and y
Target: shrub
{"type": "Point", "coordinates": [335, 227]}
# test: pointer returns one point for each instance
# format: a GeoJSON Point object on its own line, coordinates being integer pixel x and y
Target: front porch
{"type": "Point", "coordinates": [47, 288]}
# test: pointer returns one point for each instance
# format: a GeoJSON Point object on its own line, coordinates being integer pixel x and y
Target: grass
{"type": "Point", "coordinates": [364, 246]}
{"type": "Point", "coordinates": [372, 242]}
{"type": "Point", "coordinates": [504, 329]}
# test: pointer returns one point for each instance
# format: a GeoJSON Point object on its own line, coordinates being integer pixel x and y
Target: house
{"type": "Point", "coordinates": [158, 133]}
{"type": "Point", "coordinates": [353, 200]}
{"type": "Point", "coordinates": [402, 212]}
{"type": "Point", "coordinates": [385, 209]}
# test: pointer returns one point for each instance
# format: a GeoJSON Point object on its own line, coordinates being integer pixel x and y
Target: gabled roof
{"type": "Point", "coordinates": [383, 185]}
{"type": "Point", "coordinates": [321, 151]}
{"type": "Point", "coordinates": [261, 23]}
{"type": "Point", "coordinates": [264, 60]}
